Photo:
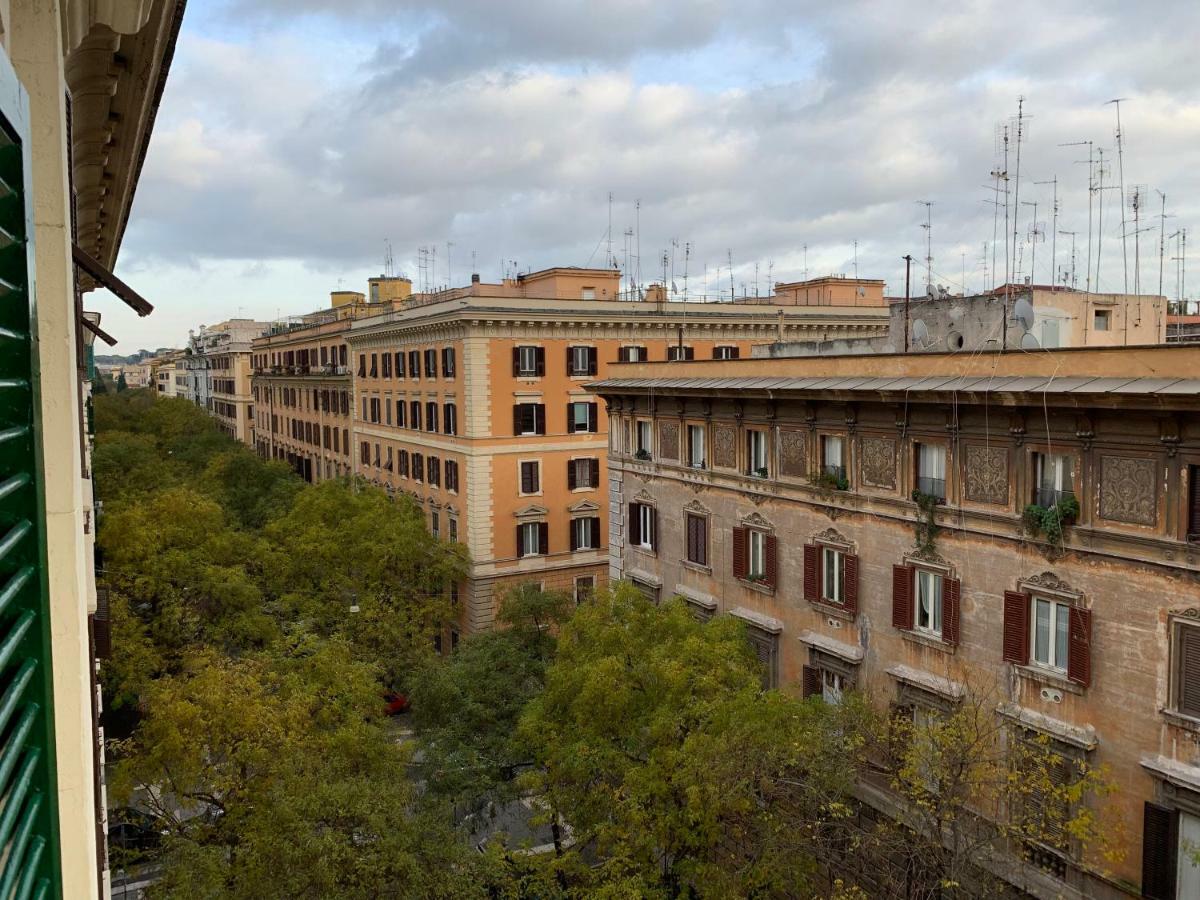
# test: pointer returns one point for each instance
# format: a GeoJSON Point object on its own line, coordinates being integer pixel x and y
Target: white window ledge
{"type": "Point", "coordinates": [848, 652]}
{"type": "Point", "coordinates": [1173, 771]}
{"type": "Point", "coordinates": [936, 684]}
{"type": "Point", "coordinates": [644, 576]}
{"type": "Point", "coordinates": [708, 601]}
{"type": "Point", "coordinates": [1083, 737]}
{"type": "Point", "coordinates": [758, 620]}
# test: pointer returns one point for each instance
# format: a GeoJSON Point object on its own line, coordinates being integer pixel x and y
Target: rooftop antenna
{"type": "Point", "coordinates": [674, 247]}
{"type": "Point", "coordinates": [770, 277]}
{"type": "Point", "coordinates": [1036, 231]}
{"type": "Point", "coordinates": [855, 262]}
{"type": "Point", "coordinates": [1121, 175]}
{"type": "Point", "coordinates": [997, 174]}
{"type": "Point", "coordinates": [732, 294]}
{"type": "Point", "coordinates": [1007, 258]}
{"type": "Point", "coordinates": [928, 226]}
{"type": "Point", "coordinates": [637, 212]}
{"type": "Point", "coordinates": [756, 278]}
{"type": "Point", "coordinates": [449, 271]}
{"type": "Point", "coordinates": [1162, 238]}
{"type": "Point", "coordinates": [1017, 181]}
{"type": "Point", "coordinates": [1136, 200]}
{"type": "Point", "coordinates": [687, 256]}
{"type": "Point", "coordinates": [389, 266]}
{"type": "Point", "coordinates": [610, 260]}
{"type": "Point", "coordinates": [1088, 277]}
{"type": "Point", "coordinates": [1053, 231]}
{"type": "Point", "coordinates": [629, 268]}
{"type": "Point", "coordinates": [1073, 282]}
{"type": "Point", "coordinates": [1099, 212]}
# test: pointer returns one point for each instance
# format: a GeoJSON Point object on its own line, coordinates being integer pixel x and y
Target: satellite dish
{"type": "Point", "coordinates": [920, 333]}
{"type": "Point", "coordinates": [1029, 342]}
{"type": "Point", "coordinates": [1023, 313]}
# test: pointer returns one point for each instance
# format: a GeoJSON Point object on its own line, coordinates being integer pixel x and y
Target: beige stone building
{"type": "Point", "coordinates": [226, 352]}
{"type": "Point", "coordinates": [80, 83]}
{"type": "Point", "coordinates": [475, 401]}
{"type": "Point", "coordinates": [783, 492]}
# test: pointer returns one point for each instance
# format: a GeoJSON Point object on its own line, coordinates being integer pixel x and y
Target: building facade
{"type": "Point", "coordinates": [475, 402]}
{"type": "Point", "coordinates": [226, 351]}
{"type": "Point", "coordinates": [792, 494]}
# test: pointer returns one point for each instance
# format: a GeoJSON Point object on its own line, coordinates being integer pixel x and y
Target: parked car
{"type": "Point", "coordinates": [395, 703]}
{"type": "Point", "coordinates": [134, 831]}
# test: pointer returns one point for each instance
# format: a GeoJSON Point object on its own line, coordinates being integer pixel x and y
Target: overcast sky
{"type": "Point", "coordinates": [296, 137]}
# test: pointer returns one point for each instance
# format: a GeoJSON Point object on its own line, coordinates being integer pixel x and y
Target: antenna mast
{"type": "Point", "coordinates": [1099, 212]}
{"type": "Point", "coordinates": [1121, 175]}
{"type": "Point", "coordinates": [611, 261]}
{"type": "Point", "coordinates": [1053, 231]}
{"type": "Point", "coordinates": [687, 255]}
{"type": "Point", "coordinates": [732, 293]}
{"type": "Point", "coordinates": [1017, 182]}
{"type": "Point", "coordinates": [1035, 231]}
{"type": "Point", "coordinates": [1091, 191]}
{"type": "Point", "coordinates": [928, 226]}
{"type": "Point", "coordinates": [1162, 238]}
{"type": "Point", "coordinates": [1135, 202]}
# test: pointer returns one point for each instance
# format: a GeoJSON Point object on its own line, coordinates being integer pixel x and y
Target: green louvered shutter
{"type": "Point", "coordinates": [29, 847]}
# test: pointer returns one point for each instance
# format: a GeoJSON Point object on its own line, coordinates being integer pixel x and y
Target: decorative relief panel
{"type": "Point", "coordinates": [987, 474]}
{"type": "Point", "coordinates": [879, 462]}
{"type": "Point", "coordinates": [668, 440]}
{"type": "Point", "coordinates": [1128, 490]}
{"type": "Point", "coordinates": [725, 446]}
{"type": "Point", "coordinates": [792, 452]}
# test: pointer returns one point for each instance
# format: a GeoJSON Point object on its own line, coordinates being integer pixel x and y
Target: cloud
{"type": "Point", "coordinates": [318, 130]}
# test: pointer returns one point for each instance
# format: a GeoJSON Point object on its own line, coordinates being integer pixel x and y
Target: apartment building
{"type": "Point", "coordinates": [164, 373]}
{"type": "Point", "coordinates": [225, 349]}
{"type": "Point", "coordinates": [475, 401]}
{"type": "Point", "coordinates": [80, 84]}
{"type": "Point", "coordinates": [791, 493]}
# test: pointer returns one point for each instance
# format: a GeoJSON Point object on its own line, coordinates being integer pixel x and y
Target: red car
{"type": "Point", "coordinates": [395, 703]}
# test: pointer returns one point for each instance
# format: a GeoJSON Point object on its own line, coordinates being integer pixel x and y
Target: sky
{"type": "Point", "coordinates": [298, 139]}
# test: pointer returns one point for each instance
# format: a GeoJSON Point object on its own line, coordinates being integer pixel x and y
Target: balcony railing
{"type": "Point", "coordinates": [834, 471]}
{"type": "Point", "coordinates": [932, 487]}
{"type": "Point", "coordinates": [1048, 497]}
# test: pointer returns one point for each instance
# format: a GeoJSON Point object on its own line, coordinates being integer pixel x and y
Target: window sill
{"type": "Point", "coordinates": [695, 566]}
{"type": "Point", "coordinates": [927, 640]}
{"type": "Point", "coordinates": [1049, 678]}
{"type": "Point", "coordinates": [761, 586]}
{"type": "Point", "coordinates": [1181, 720]}
{"type": "Point", "coordinates": [837, 610]}
{"type": "Point", "coordinates": [645, 551]}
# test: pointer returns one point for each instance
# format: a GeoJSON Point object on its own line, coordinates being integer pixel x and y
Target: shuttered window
{"type": "Point", "coordinates": [1187, 669]}
{"type": "Point", "coordinates": [643, 526]}
{"type": "Point", "coordinates": [697, 539]}
{"type": "Point", "coordinates": [1193, 529]}
{"type": "Point", "coordinates": [529, 418]}
{"type": "Point", "coordinates": [533, 539]}
{"type": "Point", "coordinates": [755, 556]}
{"type": "Point", "coordinates": [1049, 634]}
{"type": "Point", "coordinates": [585, 533]}
{"type": "Point", "coordinates": [529, 362]}
{"type": "Point", "coordinates": [581, 417]}
{"type": "Point", "coordinates": [581, 360]}
{"type": "Point", "coordinates": [530, 480]}
{"type": "Point", "coordinates": [1160, 843]}
{"type": "Point", "coordinates": [583, 473]}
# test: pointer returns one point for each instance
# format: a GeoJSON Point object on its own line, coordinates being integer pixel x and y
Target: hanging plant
{"type": "Point", "coordinates": [1049, 521]}
{"type": "Point", "coordinates": [926, 527]}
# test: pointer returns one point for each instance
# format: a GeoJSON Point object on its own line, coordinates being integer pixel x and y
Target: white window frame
{"type": "Point", "coordinates": [645, 526]}
{"type": "Point", "coordinates": [533, 528]}
{"type": "Point", "coordinates": [694, 432]}
{"type": "Point", "coordinates": [721, 351]}
{"type": "Point", "coordinates": [580, 356]}
{"type": "Point", "coordinates": [833, 575]}
{"type": "Point", "coordinates": [931, 464]}
{"type": "Point", "coordinates": [587, 293]}
{"type": "Point", "coordinates": [833, 441]}
{"type": "Point", "coordinates": [1102, 315]}
{"type": "Point", "coordinates": [645, 429]}
{"type": "Point", "coordinates": [833, 686]}
{"type": "Point", "coordinates": [756, 553]}
{"type": "Point", "coordinates": [576, 405]}
{"type": "Point", "coordinates": [533, 420]}
{"type": "Point", "coordinates": [757, 450]}
{"type": "Point", "coordinates": [525, 351]}
{"type": "Point", "coordinates": [1058, 625]}
{"type": "Point", "coordinates": [582, 465]}
{"type": "Point", "coordinates": [926, 581]}
{"type": "Point", "coordinates": [583, 533]}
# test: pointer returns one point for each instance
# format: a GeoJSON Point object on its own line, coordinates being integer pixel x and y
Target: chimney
{"type": "Point", "coordinates": [474, 278]}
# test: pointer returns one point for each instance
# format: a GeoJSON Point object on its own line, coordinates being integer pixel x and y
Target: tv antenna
{"type": "Point", "coordinates": [1121, 174]}
{"type": "Point", "coordinates": [1162, 238]}
{"type": "Point", "coordinates": [1036, 232]}
{"type": "Point", "coordinates": [1091, 191]}
{"type": "Point", "coordinates": [1137, 199]}
{"type": "Point", "coordinates": [1073, 282]}
{"type": "Point", "coordinates": [928, 227]}
{"type": "Point", "coordinates": [1017, 180]}
{"type": "Point", "coordinates": [389, 265]}
{"type": "Point", "coordinates": [1053, 230]}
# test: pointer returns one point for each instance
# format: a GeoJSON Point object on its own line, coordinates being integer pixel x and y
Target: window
{"type": "Point", "coordinates": [414, 364]}
{"type": "Point", "coordinates": [1049, 634]}
{"type": "Point", "coordinates": [431, 416]}
{"type": "Point", "coordinates": [399, 363]}
{"type": "Point", "coordinates": [645, 438]}
{"type": "Point", "coordinates": [402, 463]}
{"type": "Point", "coordinates": [362, 365]}
{"type": "Point", "coordinates": [632, 354]}
{"type": "Point", "coordinates": [697, 539]}
{"type": "Point", "coordinates": [585, 587]}
{"type": "Point", "coordinates": [1193, 513]}
{"type": "Point", "coordinates": [1185, 670]}
{"type": "Point", "coordinates": [431, 363]}
{"type": "Point", "coordinates": [928, 603]}
{"type": "Point", "coordinates": [450, 418]}
{"type": "Point", "coordinates": [374, 365]}
{"type": "Point", "coordinates": [1102, 320]}
{"type": "Point", "coordinates": [532, 539]}
{"type": "Point", "coordinates": [832, 460]}
{"type": "Point", "coordinates": [726, 352]}
{"type": "Point", "coordinates": [696, 446]}
{"type": "Point", "coordinates": [585, 533]}
{"type": "Point", "coordinates": [414, 414]}
{"type": "Point", "coordinates": [401, 417]}
{"type": "Point", "coordinates": [529, 418]}
{"type": "Point", "coordinates": [587, 293]}
{"type": "Point", "coordinates": [434, 468]}
{"type": "Point", "coordinates": [418, 467]}
{"type": "Point", "coordinates": [583, 473]}
{"type": "Point", "coordinates": [581, 360]}
{"type": "Point", "coordinates": [643, 526]}
{"type": "Point", "coordinates": [581, 417]}
{"type": "Point", "coordinates": [833, 576]}
{"type": "Point", "coordinates": [529, 362]}
{"type": "Point", "coordinates": [364, 455]}
{"type": "Point", "coordinates": [452, 522]}
{"type": "Point", "coordinates": [679, 353]}
{"type": "Point", "coordinates": [756, 453]}
{"type": "Point", "coordinates": [435, 524]}
{"type": "Point", "coordinates": [447, 362]}
{"type": "Point", "coordinates": [451, 475]}
{"type": "Point", "coordinates": [757, 564]}
{"type": "Point", "coordinates": [1052, 478]}
{"type": "Point", "coordinates": [755, 555]}
{"type": "Point", "coordinates": [931, 470]}
{"type": "Point", "coordinates": [387, 365]}
{"type": "Point", "coordinates": [530, 477]}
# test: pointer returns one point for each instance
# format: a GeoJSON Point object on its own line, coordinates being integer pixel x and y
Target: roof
{"type": "Point", "coordinates": [1163, 371]}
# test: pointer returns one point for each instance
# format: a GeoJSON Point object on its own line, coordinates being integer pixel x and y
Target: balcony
{"type": "Point", "coordinates": [836, 472]}
{"type": "Point", "coordinates": [1049, 497]}
{"type": "Point", "coordinates": [932, 487]}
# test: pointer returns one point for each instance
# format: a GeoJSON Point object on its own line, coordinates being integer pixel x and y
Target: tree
{"type": "Point", "coordinates": [253, 491]}
{"type": "Point", "coordinates": [276, 778]}
{"type": "Point", "coordinates": [658, 749]}
{"type": "Point", "coordinates": [466, 708]}
{"type": "Point", "coordinates": [122, 384]}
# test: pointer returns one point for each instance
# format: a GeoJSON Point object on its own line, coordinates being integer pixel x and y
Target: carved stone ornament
{"type": "Point", "coordinates": [644, 499]}
{"type": "Point", "coordinates": [1129, 490]}
{"type": "Point", "coordinates": [987, 474]}
{"type": "Point", "coordinates": [695, 506]}
{"type": "Point", "coordinates": [879, 462]}
{"type": "Point", "coordinates": [1189, 612]}
{"type": "Point", "coordinates": [831, 536]}
{"type": "Point", "coordinates": [754, 520]}
{"type": "Point", "coordinates": [1050, 582]}
{"type": "Point", "coordinates": [792, 452]}
{"type": "Point", "coordinates": [932, 557]}
{"type": "Point", "coordinates": [725, 446]}
{"type": "Point", "coordinates": [668, 440]}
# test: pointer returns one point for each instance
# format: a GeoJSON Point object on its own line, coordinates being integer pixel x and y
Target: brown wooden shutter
{"type": "Point", "coordinates": [772, 548]}
{"type": "Point", "coordinates": [951, 591]}
{"type": "Point", "coordinates": [902, 613]}
{"type": "Point", "coordinates": [593, 418]}
{"type": "Point", "coordinates": [1193, 529]}
{"type": "Point", "coordinates": [591, 360]}
{"type": "Point", "coordinates": [594, 469]}
{"type": "Point", "coordinates": [653, 529]}
{"type": "Point", "coordinates": [740, 537]}
{"type": "Point", "coordinates": [571, 480]}
{"type": "Point", "coordinates": [520, 541]}
{"type": "Point", "coordinates": [570, 369]}
{"type": "Point", "coordinates": [812, 564]}
{"type": "Point", "coordinates": [541, 360]}
{"type": "Point", "coordinates": [596, 532]}
{"type": "Point", "coordinates": [574, 544]}
{"type": "Point", "coordinates": [516, 419]}
{"type": "Point", "coordinates": [851, 582]}
{"type": "Point", "coordinates": [1016, 627]}
{"type": "Point", "coordinates": [539, 419]}
{"type": "Point", "coordinates": [543, 538]}
{"type": "Point", "coordinates": [635, 524]}
{"type": "Point", "coordinates": [811, 682]}
{"type": "Point", "coordinates": [1188, 692]}
{"type": "Point", "coordinates": [1079, 646]}
{"type": "Point", "coordinates": [516, 361]}
{"type": "Point", "coordinates": [1160, 842]}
